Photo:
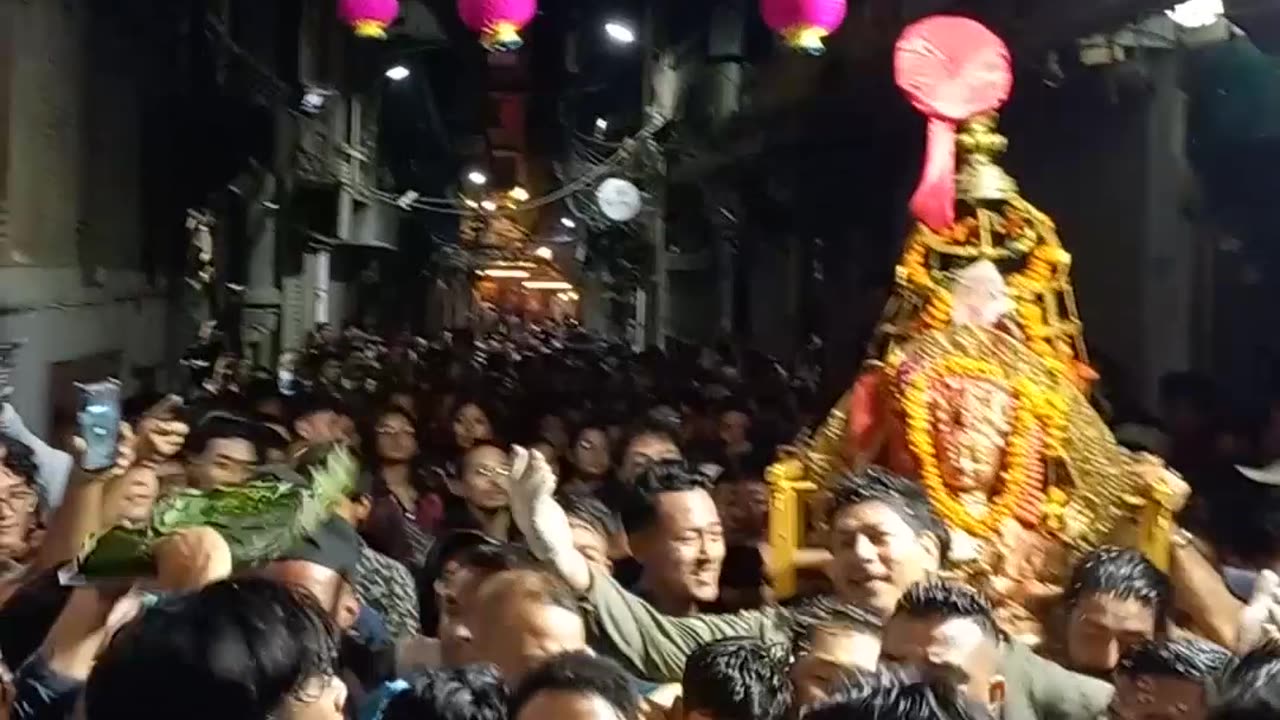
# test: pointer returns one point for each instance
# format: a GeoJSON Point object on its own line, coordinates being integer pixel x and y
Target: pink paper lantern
{"type": "Point", "coordinates": [369, 18]}
{"type": "Point", "coordinates": [803, 24]}
{"type": "Point", "coordinates": [498, 21]}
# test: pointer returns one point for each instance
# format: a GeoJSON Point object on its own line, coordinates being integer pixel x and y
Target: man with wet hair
{"type": "Point", "coordinates": [1166, 680]}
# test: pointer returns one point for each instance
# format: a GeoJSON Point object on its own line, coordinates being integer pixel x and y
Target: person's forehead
{"type": "Point", "coordinates": [465, 582]}
{"type": "Point", "coordinates": [1112, 611]}
{"type": "Point", "coordinates": [687, 507]}
{"type": "Point", "coordinates": [653, 446]}
{"type": "Point", "coordinates": [542, 621]}
{"type": "Point", "coordinates": [872, 513]}
{"type": "Point", "coordinates": [10, 480]}
{"type": "Point", "coordinates": [1165, 695]}
{"type": "Point", "coordinates": [582, 530]}
{"type": "Point", "coordinates": [394, 420]}
{"type": "Point", "coordinates": [321, 581]}
{"type": "Point", "coordinates": [592, 435]}
{"type": "Point", "coordinates": [567, 705]}
{"type": "Point", "coordinates": [486, 456]}
{"type": "Point", "coordinates": [325, 415]}
{"type": "Point", "coordinates": [233, 447]}
{"type": "Point", "coordinates": [904, 632]}
{"type": "Point", "coordinates": [955, 640]}
{"type": "Point", "coordinates": [843, 645]}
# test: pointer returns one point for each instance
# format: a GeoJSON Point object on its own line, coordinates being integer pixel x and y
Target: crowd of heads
{"type": "Point", "coordinates": [419, 598]}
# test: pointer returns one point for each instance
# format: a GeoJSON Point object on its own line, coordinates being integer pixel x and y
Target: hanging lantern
{"type": "Point", "coordinates": [369, 18]}
{"type": "Point", "coordinates": [498, 21]}
{"type": "Point", "coordinates": [803, 24]}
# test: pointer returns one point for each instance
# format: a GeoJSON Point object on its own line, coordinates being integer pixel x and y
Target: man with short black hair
{"type": "Point", "coordinates": [470, 693]}
{"type": "Point", "coordinates": [948, 632]}
{"type": "Point", "coordinates": [675, 533]}
{"type": "Point", "coordinates": [461, 563]}
{"type": "Point", "coordinates": [575, 686]}
{"type": "Point", "coordinates": [735, 679]}
{"type": "Point", "coordinates": [222, 451]}
{"type": "Point", "coordinates": [885, 697]}
{"type": "Point", "coordinates": [830, 641]}
{"type": "Point", "coordinates": [320, 418]}
{"type": "Point", "coordinates": [1166, 680]}
{"type": "Point", "coordinates": [1114, 600]}
{"type": "Point", "coordinates": [249, 649]}
{"type": "Point", "coordinates": [1250, 687]}
{"type": "Point", "coordinates": [742, 496]}
{"type": "Point", "coordinates": [648, 442]}
{"type": "Point", "coordinates": [594, 527]}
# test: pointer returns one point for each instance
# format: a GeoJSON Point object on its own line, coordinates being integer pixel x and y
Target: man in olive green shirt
{"type": "Point", "coordinates": [884, 538]}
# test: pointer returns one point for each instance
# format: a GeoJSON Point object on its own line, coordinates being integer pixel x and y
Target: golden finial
{"type": "Point", "coordinates": [979, 177]}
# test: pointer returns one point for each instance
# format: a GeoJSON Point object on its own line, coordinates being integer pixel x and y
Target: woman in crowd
{"type": "Point", "coordinates": [590, 457]}
{"type": "Point", "coordinates": [471, 421]}
{"type": "Point", "coordinates": [479, 499]}
{"type": "Point", "coordinates": [405, 506]}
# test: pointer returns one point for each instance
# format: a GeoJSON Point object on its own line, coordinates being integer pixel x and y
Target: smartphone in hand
{"type": "Point", "coordinates": [99, 422]}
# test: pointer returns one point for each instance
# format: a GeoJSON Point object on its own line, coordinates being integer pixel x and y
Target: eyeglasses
{"type": "Point", "coordinates": [22, 501]}
{"type": "Point", "coordinates": [388, 430]}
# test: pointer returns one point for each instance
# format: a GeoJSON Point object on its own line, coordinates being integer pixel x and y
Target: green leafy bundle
{"type": "Point", "coordinates": [259, 520]}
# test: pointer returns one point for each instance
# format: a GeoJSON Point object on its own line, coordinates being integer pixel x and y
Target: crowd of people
{"type": "Point", "coordinates": [546, 526]}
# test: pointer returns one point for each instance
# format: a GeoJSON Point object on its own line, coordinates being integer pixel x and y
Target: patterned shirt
{"type": "Point", "coordinates": [387, 586]}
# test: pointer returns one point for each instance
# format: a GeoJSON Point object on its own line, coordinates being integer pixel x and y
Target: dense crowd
{"type": "Point", "coordinates": [547, 526]}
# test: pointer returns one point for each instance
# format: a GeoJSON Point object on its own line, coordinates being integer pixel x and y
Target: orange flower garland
{"type": "Point", "coordinates": [1021, 454]}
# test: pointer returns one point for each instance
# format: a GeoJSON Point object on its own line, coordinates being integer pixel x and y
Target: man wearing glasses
{"type": "Point", "coordinates": [19, 503]}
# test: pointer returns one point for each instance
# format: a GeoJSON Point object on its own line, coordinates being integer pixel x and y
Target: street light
{"type": "Point", "coordinates": [477, 178]}
{"type": "Point", "coordinates": [505, 273]}
{"type": "Point", "coordinates": [545, 253]}
{"type": "Point", "coordinates": [397, 73]}
{"type": "Point", "coordinates": [489, 205]}
{"type": "Point", "coordinates": [1196, 13]}
{"type": "Point", "coordinates": [620, 33]}
{"type": "Point", "coordinates": [568, 222]}
{"type": "Point", "coordinates": [519, 194]}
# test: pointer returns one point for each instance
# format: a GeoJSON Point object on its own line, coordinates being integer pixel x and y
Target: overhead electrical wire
{"type": "Point", "coordinates": [622, 151]}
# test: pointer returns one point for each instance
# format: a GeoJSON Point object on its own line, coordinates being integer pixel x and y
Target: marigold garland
{"type": "Point", "coordinates": [1044, 262]}
{"type": "Point", "coordinates": [1032, 407]}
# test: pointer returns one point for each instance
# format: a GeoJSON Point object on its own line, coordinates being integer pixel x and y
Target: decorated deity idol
{"type": "Point", "coordinates": [977, 381]}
